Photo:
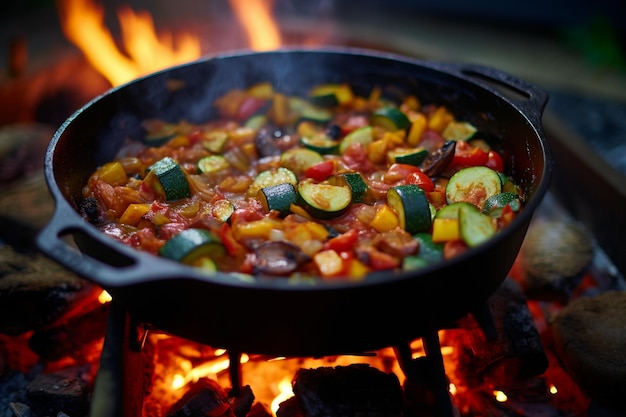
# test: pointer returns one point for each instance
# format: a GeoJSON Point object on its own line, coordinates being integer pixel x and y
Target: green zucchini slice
{"type": "Point", "coordinates": [168, 179]}
{"type": "Point", "coordinates": [473, 184]}
{"type": "Point", "coordinates": [390, 118]}
{"type": "Point", "coordinates": [330, 95]}
{"type": "Point", "coordinates": [412, 158]}
{"type": "Point", "coordinates": [474, 226]}
{"type": "Point", "coordinates": [323, 200]}
{"type": "Point", "coordinates": [363, 135]}
{"type": "Point", "coordinates": [271, 177]}
{"type": "Point", "coordinates": [222, 210]}
{"type": "Point", "coordinates": [321, 144]}
{"type": "Point", "coordinates": [410, 204]}
{"type": "Point", "coordinates": [299, 159]}
{"type": "Point", "coordinates": [278, 197]}
{"type": "Point", "coordinates": [191, 245]}
{"type": "Point", "coordinates": [499, 201]}
{"type": "Point", "coordinates": [212, 163]}
{"type": "Point", "coordinates": [451, 211]}
{"type": "Point", "coordinates": [355, 181]}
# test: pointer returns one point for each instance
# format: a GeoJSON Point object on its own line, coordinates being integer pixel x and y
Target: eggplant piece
{"type": "Point", "coordinates": [278, 258]}
{"type": "Point", "coordinates": [438, 161]}
{"type": "Point", "coordinates": [271, 141]}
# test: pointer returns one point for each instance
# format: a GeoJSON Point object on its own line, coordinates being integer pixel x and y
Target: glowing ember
{"type": "Point", "coordinates": [500, 396]}
{"type": "Point", "coordinates": [104, 297]}
{"type": "Point", "coordinates": [83, 24]}
{"type": "Point", "coordinates": [284, 386]}
{"type": "Point", "coordinates": [256, 18]}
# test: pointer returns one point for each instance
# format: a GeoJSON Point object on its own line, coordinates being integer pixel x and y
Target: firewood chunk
{"type": "Point", "coordinates": [64, 391]}
{"type": "Point", "coordinates": [205, 398]}
{"type": "Point", "coordinates": [348, 391]}
{"type": "Point", "coordinates": [34, 291]}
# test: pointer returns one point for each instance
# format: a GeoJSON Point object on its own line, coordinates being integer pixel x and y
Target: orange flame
{"type": "Point", "coordinates": [257, 19]}
{"type": "Point", "coordinates": [83, 24]}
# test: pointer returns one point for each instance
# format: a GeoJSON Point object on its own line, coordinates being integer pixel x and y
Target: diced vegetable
{"type": "Point", "coordinates": [212, 163]}
{"type": "Point", "coordinates": [190, 245]}
{"type": "Point", "coordinates": [474, 226]}
{"type": "Point", "coordinates": [355, 181]}
{"type": "Point", "coordinates": [324, 200]}
{"type": "Point", "coordinates": [498, 201]}
{"type": "Point", "coordinates": [278, 197]}
{"type": "Point", "coordinates": [411, 205]}
{"type": "Point", "coordinates": [330, 95]}
{"type": "Point", "coordinates": [363, 135]}
{"type": "Point", "coordinates": [222, 209]}
{"type": "Point", "coordinates": [474, 185]}
{"type": "Point", "coordinates": [459, 131]}
{"type": "Point", "coordinates": [330, 185]}
{"type": "Point", "coordinates": [271, 177]}
{"type": "Point", "coordinates": [112, 173]}
{"type": "Point", "coordinates": [390, 118]}
{"type": "Point", "coordinates": [415, 157]}
{"type": "Point", "coordinates": [168, 179]}
{"type": "Point", "coordinates": [299, 159]}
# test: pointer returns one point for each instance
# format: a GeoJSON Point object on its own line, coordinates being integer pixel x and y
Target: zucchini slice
{"type": "Point", "coordinates": [474, 226]}
{"type": "Point", "coordinates": [459, 131]}
{"type": "Point", "coordinates": [500, 200]}
{"type": "Point", "coordinates": [355, 181]}
{"type": "Point", "coordinates": [321, 144]}
{"type": "Point", "coordinates": [212, 163]}
{"type": "Point", "coordinates": [299, 159]}
{"type": "Point", "coordinates": [278, 197]}
{"type": "Point", "coordinates": [473, 184]}
{"type": "Point", "coordinates": [415, 157]}
{"type": "Point", "coordinates": [191, 245]}
{"type": "Point", "coordinates": [411, 205]}
{"type": "Point", "coordinates": [323, 200]}
{"type": "Point", "coordinates": [168, 179]}
{"type": "Point", "coordinates": [315, 114]}
{"type": "Point", "coordinates": [390, 118]}
{"type": "Point", "coordinates": [331, 95]}
{"type": "Point", "coordinates": [222, 210]}
{"type": "Point", "coordinates": [271, 177]}
{"type": "Point", "coordinates": [363, 135]}
{"type": "Point", "coordinates": [451, 211]}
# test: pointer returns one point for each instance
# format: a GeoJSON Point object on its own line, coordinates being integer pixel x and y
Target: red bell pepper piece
{"type": "Point", "coordinates": [466, 155]}
{"type": "Point", "coordinates": [344, 242]}
{"type": "Point", "coordinates": [321, 170]}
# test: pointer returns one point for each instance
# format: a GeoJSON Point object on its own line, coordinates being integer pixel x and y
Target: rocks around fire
{"type": "Point", "coordinates": [590, 340]}
{"type": "Point", "coordinates": [554, 256]}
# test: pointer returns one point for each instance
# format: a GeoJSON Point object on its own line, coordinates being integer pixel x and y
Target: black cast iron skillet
{"type": "Point", "coordinates": [279, 316]}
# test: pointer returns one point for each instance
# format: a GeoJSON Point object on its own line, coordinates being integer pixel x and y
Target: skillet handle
{"type": "Point", "coordinates": [528, 98]}
{"type": "Point", "coordinates": [97, 260]}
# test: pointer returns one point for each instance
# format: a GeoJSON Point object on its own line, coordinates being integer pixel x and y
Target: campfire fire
{"type": "Point", "coordinates": [143, 49]}
{"type": "Point", "coordinates": [486, 376]}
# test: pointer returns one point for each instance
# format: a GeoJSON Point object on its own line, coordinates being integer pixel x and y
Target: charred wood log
{"type": "Point", "coordinates": [242, 403]}
{"type": "Point", "coordinates": [289, 408]}
{"type": "Point", "coordinates": [516, 352]}
{"type": "Point", "coordinates": [259, 410]}
{"type": "Point", "coordinates": [344, 391]}
{"type": "Point", "coordinates": [26, 206]}
{"type": "Point", "coordinates": [71, 336]}
{"type": "Point", "coordinates": [34, 291]}
{"type": "Point", "coordinates": [66, 391]}
{"type": "Point", "coordinates": [205, 398]}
